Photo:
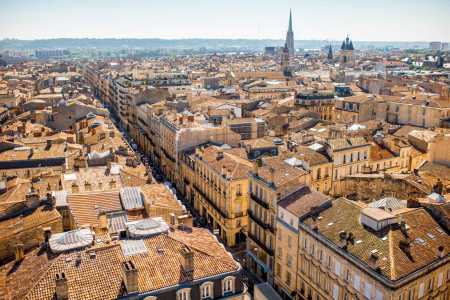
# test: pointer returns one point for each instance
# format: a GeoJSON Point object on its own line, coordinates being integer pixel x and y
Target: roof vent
{"type": "Point", "coordinates": [441, 252]}
{"type": "Point", "coordinates": [188, 259]}
{"type": "Point", "coordinates": [61, 287]}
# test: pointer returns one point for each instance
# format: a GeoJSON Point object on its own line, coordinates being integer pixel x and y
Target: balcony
{"type": "Point", "coordinates": [259, 201]}
{"type": "Point", "coordinates": [210, 202]}
{"type": "Point", "coordinates": [260, 244]}
{"type": "Point", "coordinates": [259, 222]}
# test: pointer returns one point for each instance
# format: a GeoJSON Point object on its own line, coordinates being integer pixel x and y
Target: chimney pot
{"type": "Point", "coordinates": [173, 219]}
{"type": "Point", "coordinates": [19, 252]}
{"type": "Point", "coordinates": [188, 259]}
{"type": "Point", "coordinates": [47, 233]}
{"type": "Point", "coordinates": [130, 276]}
{"type": "Point", "coordinates": [62, 288]}
{"type": "Point", "coordinates": [441, 252]}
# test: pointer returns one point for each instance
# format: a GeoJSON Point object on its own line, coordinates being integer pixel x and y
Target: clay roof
{"type": "Point", "coordinates": [238, 166]}
{"type": "Point", "coordinates": [86, 207]}
{"type": "Point", "coordinates": [100, 277]}
{"type": "Point", "coordinates": [423, 232]}
{"type": "Point", "coordinates": [303, 201]}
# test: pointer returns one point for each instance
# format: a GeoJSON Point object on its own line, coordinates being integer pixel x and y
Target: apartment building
{"type": "Point", "coordinates": [349, 157]}
{"type": "Point", "coordinates": [317, 164]}
{"type": "Point", "coordinates": [413, 109]}
{"type": "Point", "coordinates": [247, 128]}
{"type": "Point", "coordinates": [320, 102]}
{"type": "Point", "coordinates": [353, 109]}
{"type": "Point", "coordinates": [292, 208]}
{"type": "Point", "coordinates": [179, 132]}
{"type": "Point", "coordinates": [269, 181]}
{"type": "Point", "coordinates": [380, 250]}
{"type": "Point", "coordinates": [216, 184]}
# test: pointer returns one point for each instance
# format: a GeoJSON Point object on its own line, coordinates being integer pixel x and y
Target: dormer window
{"type": "Point", "coordinates": [228, 285]}
{"type": "Point", "coordinates": [184, 294]}
{"type": "Point", "coordinates": [206, 290]}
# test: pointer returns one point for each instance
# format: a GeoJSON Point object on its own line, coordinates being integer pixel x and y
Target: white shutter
{"type": "Point", "coordinates": [378, 295]}
{"type": "Point", "coordinates": [421, 288]}
{"type": "Point", "coordinates": [335, 292]}
{"type": "Point", "coordinates": [357, 282]}
{"type": "Point", "coordinates": [368, 290]}
{"type": "Point", "coordinates": [337, 268]}
{"type": "Point", "coordinates": [440, 277]}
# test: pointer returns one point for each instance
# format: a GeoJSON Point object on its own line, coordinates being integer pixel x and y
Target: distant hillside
{"type": "Point", "coordinates": [219, 44]}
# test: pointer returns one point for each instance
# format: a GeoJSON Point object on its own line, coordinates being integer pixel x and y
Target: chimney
{"type": "Point", "coordinates": [219, 155]}
{"type": "Point", "coordinates": [373, 258]}
{"type": "Point", "coordinates": [32, 199]}
{"type": "Point", "coordinates": [47, 233]}
{"type": "Point", "coordinates": [441, 252]}
{"type": "Point", "coordinates": [272, 176]}
{"type": "Point", "coordinates": [188, 259]}
{"type": "Point", "coordinates": [343, 240]}
{"type": "Point", "coordinates": [173, 219]}
{"type": "Point", "coordinates": [108, 166]}
{"type": "Point", "coordinates": [49, 144]}
{"type": "Point", "coordinates": [228, 174]}
{"type": "Point", "coordinates": [61, 289]}
{"type": "Point", "coordinates": [130, 276]}
{"type": "Point", "coordinates": [89, 148]}
{"type": "Point", "coordinates": [19, 252]}
{"type": "Point", "coordinates": [223, 171]}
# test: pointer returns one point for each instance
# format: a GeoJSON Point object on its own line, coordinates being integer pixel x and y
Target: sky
{"type": "Point", "coordinates": [364, 20]}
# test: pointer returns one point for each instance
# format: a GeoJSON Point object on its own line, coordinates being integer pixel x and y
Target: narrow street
{"type": "Point", "coordinates": [237, 252]}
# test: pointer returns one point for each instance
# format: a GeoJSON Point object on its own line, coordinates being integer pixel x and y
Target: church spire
{"type": "Point", "coordinates": [290, 36]}
{"type": "Point", "coordinates": [290, 20]}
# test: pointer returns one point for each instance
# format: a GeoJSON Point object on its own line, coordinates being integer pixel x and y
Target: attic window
{"type": "Point", "coordinates": [329, 224]}
{"type": "Point", "coordinates": [431, 236]}
{"type": "Point", "coordinates": [359, 241]}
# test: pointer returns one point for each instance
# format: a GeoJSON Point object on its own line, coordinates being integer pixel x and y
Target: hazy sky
{"type": "Point", "coordinates": [373, 20]}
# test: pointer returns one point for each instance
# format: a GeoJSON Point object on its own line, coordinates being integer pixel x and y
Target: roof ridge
{"type": "Point", "coordinates": [42, 275]}
{"type": "Point", "coordinates": [190, 246]}
{"type": "Point", "coordinates": [393, 273]}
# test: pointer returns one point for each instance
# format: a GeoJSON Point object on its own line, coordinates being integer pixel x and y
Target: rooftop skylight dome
{"type": "Point", "coordinates": [75, 239]}
{"type": "Point", "coordinates": [147, 227]}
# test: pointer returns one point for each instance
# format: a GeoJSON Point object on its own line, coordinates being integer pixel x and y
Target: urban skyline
{"type": "Point", "coordinates": [403, 21]}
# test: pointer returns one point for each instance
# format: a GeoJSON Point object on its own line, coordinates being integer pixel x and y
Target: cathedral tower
{"type": "Point", "coordinates": [290, 37]}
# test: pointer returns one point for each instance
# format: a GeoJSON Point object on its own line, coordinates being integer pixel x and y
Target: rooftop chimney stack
{"type": "Point", "coordinates": [130, 276]}
{"type": "Point", "coordinates": [173, 219]}
{"type": "Point", "coordinates": [47, 233]}
{"type": "Point", "coordinates": [441, 252]}
{"type": "Point", "coordinates": [62, 288]}
{"type": "Point", "coordinates": [19, 252]}
{"type": "Point", "coordinates": [188, 259]}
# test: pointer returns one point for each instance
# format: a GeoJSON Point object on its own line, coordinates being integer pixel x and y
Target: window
{"type": "Point", "coordinates": [278, 270]}
{"type": "Point", "coordinates": [421, 289]}
{"type": "Point", "coordinates": [206, 290]}
{"type": "Point", "coordinates": [440, 277]}
{"type": "Point", "coordinates": [335, 291]}
{"type": "Point", "coordinates": [228, 285]}
{"type": "Point", "coordinates": [337, 268]}
{"type": "Point", "coordinates": [430, 284]}
{"type": "Point", "coordinates": [367, 290]}
{"type": "Point", "coordinates": [356, 282]}
{"type": "Point", "coordinates": [184, 294]}
{"type": "Point", "coordinates": [378, 295]}
{"type": "Point", "coordinates": [288, 278]}
{"type": "Point", "coordinates": [348, 277]}
{"type": "Point", "coordinates": [289, 260]}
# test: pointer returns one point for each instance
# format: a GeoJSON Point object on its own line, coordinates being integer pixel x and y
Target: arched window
{"type": "Point", "coordinates": [228, 285]}
{"type": "Point", "coordinates": [206, 290]}
{"type": "Point", "coordinates": [184, 294]}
